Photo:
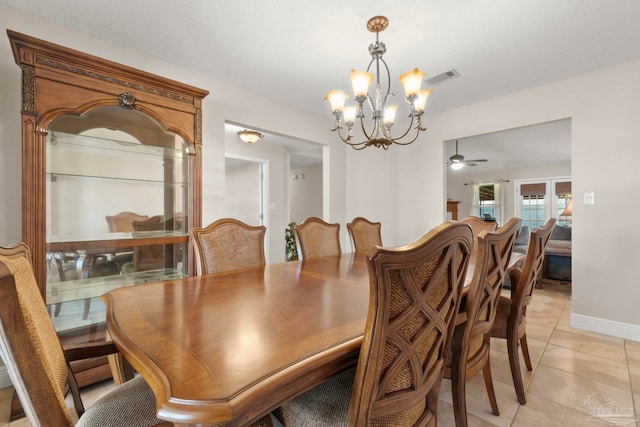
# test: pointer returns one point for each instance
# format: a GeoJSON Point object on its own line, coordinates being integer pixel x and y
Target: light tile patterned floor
{"type": "Point", "coordinates": [569, 365]}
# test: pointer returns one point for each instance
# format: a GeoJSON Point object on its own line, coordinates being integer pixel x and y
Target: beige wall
{"type": "Point", "coordinates": [604, 124]}
{"type": "Point", "coordinates": [305, 193]}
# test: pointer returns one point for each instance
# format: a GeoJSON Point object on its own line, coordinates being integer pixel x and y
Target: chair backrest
{"type": "Point", "coordinates": [521, 292]}
{"type": "Point", "coordinates": [491, 269]}
{"type": "Point", "coordinates": [33, 354]}
{"type": "Point", "coordinates": [364, 234]}
{"type": "Point", "coordinates": [478, 224]}
{"type": "Point", "coordinates": [414, 299]}
{"type": "Point", "coordinates": [123, 221]}
{"type": "Point", "coordinates": [228, 244]}
{"type": "Point", "coordinates": [151, 257]}
{"type": "Point", "coordinates": [318, 238]}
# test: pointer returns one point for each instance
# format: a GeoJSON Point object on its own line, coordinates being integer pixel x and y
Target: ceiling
{"type": "Point", "coordinates": [294, 51]}
{"type": "Point", "coordinates": [520, 148]}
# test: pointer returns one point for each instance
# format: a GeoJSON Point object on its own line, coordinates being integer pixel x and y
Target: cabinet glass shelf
{"type": "Point", "coordinates": [58, 177]}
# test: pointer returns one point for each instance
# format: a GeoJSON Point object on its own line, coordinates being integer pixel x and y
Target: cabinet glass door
{"type": "Point", "coordinates": [117, 211]}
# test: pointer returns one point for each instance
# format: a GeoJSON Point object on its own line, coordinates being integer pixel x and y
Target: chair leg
{"type": "Point", "coordinates": [525, 352]}
{"type": "Point", "coordinates": [488, 382]}
{"type": "Point", "coordinates": [514, 363]}
{"type": "Point", "coordinates": [458, 390]}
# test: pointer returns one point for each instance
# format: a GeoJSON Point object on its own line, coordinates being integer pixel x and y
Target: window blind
{"type": "Point", "coordinates": [563, 189]}
{"type": "Point", "coordinates": [536, 190]}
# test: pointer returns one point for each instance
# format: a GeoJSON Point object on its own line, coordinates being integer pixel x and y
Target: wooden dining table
{"type": "Point", "coordinates": [228, 348]}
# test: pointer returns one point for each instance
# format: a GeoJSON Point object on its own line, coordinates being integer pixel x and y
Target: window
{"type": "Point", "coordinates": [487, 201]}
{"type": "Point", "coordinates": [540, 200]}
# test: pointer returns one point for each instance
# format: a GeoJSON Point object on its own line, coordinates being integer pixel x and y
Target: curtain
{"type": "Point", "coordinates": [475, 199]}
{"type": "Point", "coordinates": [501, 202]}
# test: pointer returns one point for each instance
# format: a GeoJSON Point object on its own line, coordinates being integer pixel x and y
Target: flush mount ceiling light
{"type": "Point", "coordinates": [378, 133]}
{"type": "Point", "coordinates": [250, 136]}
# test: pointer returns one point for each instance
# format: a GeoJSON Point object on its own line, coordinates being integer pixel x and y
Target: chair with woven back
{"type": "Point", "coordinates": [39, 367]}
{"type": "Point", "coordinates": [478, 224]}
{"type": "Point", "coordinates": [318, 238]}
{"type": "Point", "coordinates": [471, 343]}
{"type": "Point", "coordinates": [414, 299]}
{"type": "Point", "coordinates": [228, 244]}
{"type": "Point", "coordinates": [364, 234]}
{"type": "Point", "coordinates": [510, 323]}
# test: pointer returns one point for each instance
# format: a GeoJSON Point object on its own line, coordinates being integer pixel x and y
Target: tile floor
{"type": "Point", "coordinates": [574, 372]}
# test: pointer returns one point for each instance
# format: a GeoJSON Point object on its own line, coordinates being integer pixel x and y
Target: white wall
{"type": "Point", "coordinates": [604, 124]}
{"type": "Point", "coordinates": [457, 190]}
{"type": "Point", "coordinates": [225, 102]}
{"type": "Point", "coordinates": [243, 189]}
{"type": "Point", "coordinates": [305, 193]}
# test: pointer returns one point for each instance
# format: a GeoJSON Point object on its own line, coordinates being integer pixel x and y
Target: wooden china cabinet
{"type": "Point", "coordinates": [98, 139]}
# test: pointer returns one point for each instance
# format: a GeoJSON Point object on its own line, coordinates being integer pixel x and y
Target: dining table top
{"type": "Point", "coordinates": [227, 348]}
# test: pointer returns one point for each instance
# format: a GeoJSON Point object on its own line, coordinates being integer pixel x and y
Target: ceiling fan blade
{"type": "Point", "coordinates": [476, 161]}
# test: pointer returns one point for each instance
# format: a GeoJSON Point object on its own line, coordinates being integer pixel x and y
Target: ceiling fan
{"type": "Point", "coordinates": [457, 161]}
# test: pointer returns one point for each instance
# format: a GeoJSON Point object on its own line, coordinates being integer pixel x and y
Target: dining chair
{"type": "Point", "coordinates": [471, 343]}
{"type": "Point", "coordinates": [414, 299]}
{"type": "Point", "coordinates": [39, 367]}
{"type": "Point", "coordinates": [317, 238]}
{"type": "Point", "coordinates": [122, 222]}
{"type": "Point", "coordinates": [477, 225]}
{"type": "Point", "coordinates": [510, 322]}
{"type": "Point", "coordinates": [364, 234]}
{"type": "Point", "coordinates": [149, 257]}
{"type": "Point", "coordinates": [228, 244]}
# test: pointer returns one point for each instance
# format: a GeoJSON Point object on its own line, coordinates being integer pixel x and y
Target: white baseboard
{"type": "Point", "coordinates": [608, 327]}
{"type": "Point", "coordinates": [5, 381]}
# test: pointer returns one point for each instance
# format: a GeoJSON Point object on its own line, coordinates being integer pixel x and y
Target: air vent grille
{"type": "Point", "coordinates": [447, 75]}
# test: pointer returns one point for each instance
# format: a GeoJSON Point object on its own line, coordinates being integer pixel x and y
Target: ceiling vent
{"type": "Point", "coordinates": [447, 75]}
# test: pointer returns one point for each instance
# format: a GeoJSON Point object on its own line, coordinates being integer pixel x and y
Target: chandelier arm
{"type": "Point", "coordinates": [397, 142]}
{"type": "Point", "coordinates": [406, 132]}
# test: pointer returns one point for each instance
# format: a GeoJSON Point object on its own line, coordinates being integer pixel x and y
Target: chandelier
{"type": "Point", "coordinates": [378, 132]}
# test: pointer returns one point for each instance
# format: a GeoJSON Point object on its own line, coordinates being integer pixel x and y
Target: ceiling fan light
{"type": "Point", "coordinates": [457, 165]}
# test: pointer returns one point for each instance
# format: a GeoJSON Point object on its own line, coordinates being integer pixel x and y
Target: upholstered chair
{"type": "Point", "coordinates": [471, 344]}
{"type": "Point", "coordinates": [414, 300]}
{"type": "Point", "coordinates": [364, 234]}
{"type": "Point", "coordinates": [39, 366]}
{"type": "Point", "coordinates": [510, 323]}
{"type": "Point", "coordinates": [318, 238]}
{"type": "Point", "coordinates": [228, 244]}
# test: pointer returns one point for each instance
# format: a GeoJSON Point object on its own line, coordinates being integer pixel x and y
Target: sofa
{"type": "Point", "coordinates": [557, 263]}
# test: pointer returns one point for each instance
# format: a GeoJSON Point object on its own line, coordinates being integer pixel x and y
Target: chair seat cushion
{"type": "Point", "coordinates": [324, 405]}
{"type": "Point", "coordinates": [130, 404]}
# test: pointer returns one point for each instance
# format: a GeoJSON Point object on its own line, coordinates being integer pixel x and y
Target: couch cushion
{"type": "Point", "coordinates": [561, 233]}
